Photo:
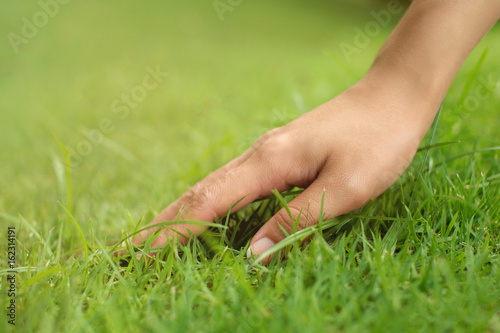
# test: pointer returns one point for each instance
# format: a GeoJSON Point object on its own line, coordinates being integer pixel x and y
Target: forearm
{"type": "Point", "coordinates": [426, 49]}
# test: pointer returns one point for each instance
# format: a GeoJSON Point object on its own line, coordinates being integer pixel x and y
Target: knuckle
{"type": "Point", "coordinates": [273, 143]}
{"type": "Point", "coordinates": [198, 197]}
{"type": "Point", "coordinates": [357, 190]}
{"type": "Point", "coordinates": [283, 218]}
{"type": "Point", "coordinates": [266, 136]}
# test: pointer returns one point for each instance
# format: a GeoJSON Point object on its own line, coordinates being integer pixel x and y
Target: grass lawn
{"type": "Point", "coordinates": [424, 256]}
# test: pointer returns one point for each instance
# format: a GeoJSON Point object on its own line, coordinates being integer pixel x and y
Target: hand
{"type": "Point", "coordinates": [353, 148]}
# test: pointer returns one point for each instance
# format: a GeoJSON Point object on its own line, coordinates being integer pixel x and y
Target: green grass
{"type": "Point", "coordinates": [424, 256]}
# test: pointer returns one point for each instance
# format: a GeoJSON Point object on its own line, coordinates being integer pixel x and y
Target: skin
{"type": "Point", "coordinates": [354, 146]}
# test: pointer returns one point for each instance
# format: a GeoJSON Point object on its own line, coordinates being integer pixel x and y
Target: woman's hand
{"type": "Point", "coordinates": [353, 148]}
{"type": "Point", "coordinates": [356, 145]}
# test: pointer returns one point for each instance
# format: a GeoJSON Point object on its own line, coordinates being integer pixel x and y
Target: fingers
{"type": "Point", "coordinates": [273, 162]}
{"type": "Point", "coordinates": [342, 194]}
{"type": "Point", "coordinates": [245, 179]}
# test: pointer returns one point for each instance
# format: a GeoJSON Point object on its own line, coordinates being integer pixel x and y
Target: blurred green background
{"type": "Point", "coordinates": [231, 79]}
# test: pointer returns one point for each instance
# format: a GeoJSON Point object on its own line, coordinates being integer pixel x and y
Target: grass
{"type": "Point", "coordinates": [424, 256]}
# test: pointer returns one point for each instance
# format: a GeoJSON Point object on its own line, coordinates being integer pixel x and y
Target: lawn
{"type": "Point", "coordinates": [206, 81]}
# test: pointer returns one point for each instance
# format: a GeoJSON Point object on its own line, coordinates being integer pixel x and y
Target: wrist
{"type": "Point", "coordinates": [396, 100]}
{"type": "Point", "coordinates": [422, 85]}
{"type": "Point", "coordinates": [417, 94]}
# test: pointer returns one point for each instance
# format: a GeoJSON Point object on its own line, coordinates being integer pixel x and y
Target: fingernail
{"type": "Point", "coordinates": [260, 246]}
